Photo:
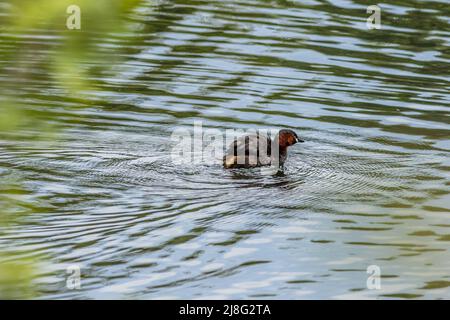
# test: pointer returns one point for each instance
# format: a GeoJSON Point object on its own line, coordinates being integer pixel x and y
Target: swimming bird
{"type": "Point", "coordinates": [258, 150]}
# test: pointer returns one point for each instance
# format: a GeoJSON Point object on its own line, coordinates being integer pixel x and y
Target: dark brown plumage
{"type": "Point", "coordinates": [258, 150]}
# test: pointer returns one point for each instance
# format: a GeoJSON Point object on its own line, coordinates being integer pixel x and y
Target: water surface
{"type": "Point", "coordinates": [369, 187]}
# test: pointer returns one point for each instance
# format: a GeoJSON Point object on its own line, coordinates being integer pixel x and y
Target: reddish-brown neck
{"type": "Point", "coordinates": [282, 141]}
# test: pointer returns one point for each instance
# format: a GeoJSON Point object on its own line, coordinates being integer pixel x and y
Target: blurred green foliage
{"type": "Point", "coordinates": [67, 53]}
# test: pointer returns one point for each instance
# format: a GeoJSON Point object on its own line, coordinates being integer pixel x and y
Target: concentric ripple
{"type": "Point", "coordinates": [368, 187]}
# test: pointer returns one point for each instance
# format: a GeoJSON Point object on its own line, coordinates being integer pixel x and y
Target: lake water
{"type": "Point", "coordinates": [369, 187]}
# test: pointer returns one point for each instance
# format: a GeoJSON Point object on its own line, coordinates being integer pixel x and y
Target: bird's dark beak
{"type": "Point", "coordinates": [299, 140]}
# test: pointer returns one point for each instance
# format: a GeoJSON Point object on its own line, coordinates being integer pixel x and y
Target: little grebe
{"type": "Point", "coordinates": [256, 150]}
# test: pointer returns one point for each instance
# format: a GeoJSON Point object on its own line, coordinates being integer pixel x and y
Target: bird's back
{"type": "Point", "coordinates": [248, 151]}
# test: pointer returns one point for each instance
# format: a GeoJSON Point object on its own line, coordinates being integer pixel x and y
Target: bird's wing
{"type": "Point", "coordinates": [250, 145]}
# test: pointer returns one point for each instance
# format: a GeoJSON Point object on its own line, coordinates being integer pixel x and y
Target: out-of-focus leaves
{"type": "Point", "coordinates": [16, 278]}
{"type": "Point", "coordinates": [63, 58]}
{"type": "Point", "coordinates": [69, 51]}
